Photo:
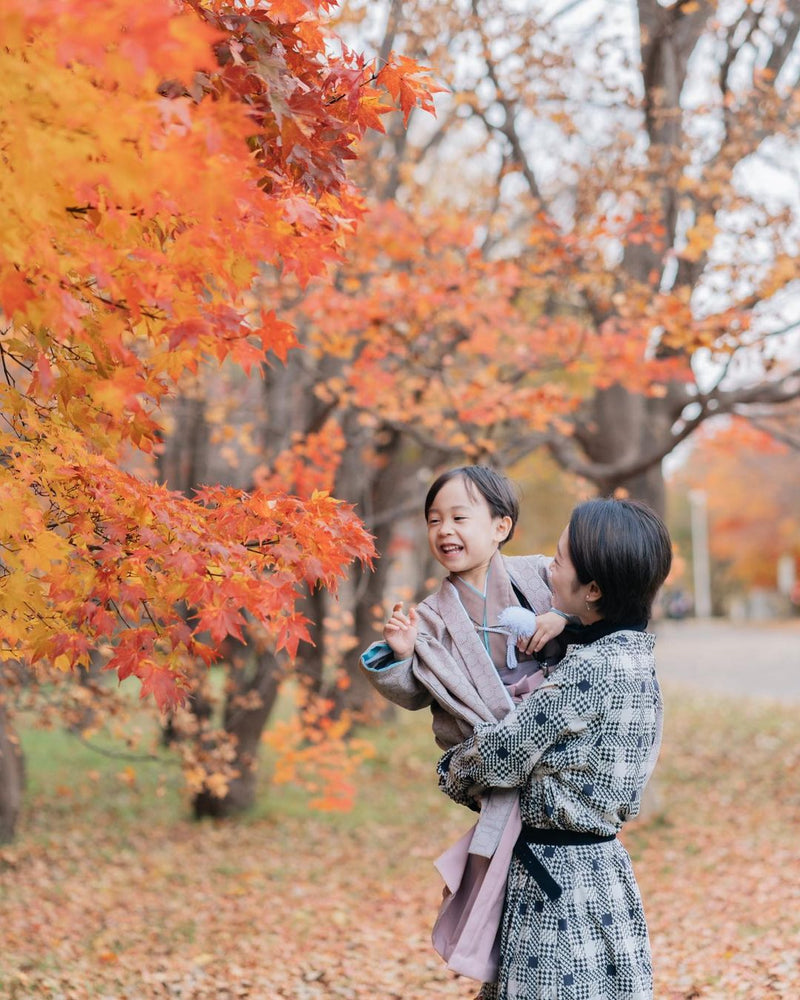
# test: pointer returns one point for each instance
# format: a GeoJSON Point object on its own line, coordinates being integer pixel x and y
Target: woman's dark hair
{"type": "Point", "coordinates": [498, 491]}
{"type": "Point", "coordinates": [625, 548]}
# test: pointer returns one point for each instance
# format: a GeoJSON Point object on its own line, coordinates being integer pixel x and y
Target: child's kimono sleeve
{"type": "Point", "coordinates": [396, 680]}
{"type": "Point", "coordinates": [399, 683]}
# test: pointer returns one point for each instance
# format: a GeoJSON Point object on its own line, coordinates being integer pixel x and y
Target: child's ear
{"type": "Point", "coordinates": [503, 528]}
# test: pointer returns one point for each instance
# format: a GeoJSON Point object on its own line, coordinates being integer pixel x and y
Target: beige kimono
{"type": "Point", "coordinates": [452, 673]}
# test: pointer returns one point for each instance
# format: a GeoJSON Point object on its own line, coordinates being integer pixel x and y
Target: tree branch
{"type": "Point", "coordinates": [778, 434]}
{"type": "Point", "coordinates": [718, 402]}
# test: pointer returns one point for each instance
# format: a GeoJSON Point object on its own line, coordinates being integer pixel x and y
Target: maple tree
{"type": "Point", "coordinates": [155, 159]}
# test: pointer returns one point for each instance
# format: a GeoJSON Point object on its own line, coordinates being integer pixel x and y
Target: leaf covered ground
{"type": "Point", "coordinates": [111, 893]}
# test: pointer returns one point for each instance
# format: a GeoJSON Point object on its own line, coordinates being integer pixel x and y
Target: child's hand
{"type": "Point", "coordinates": [548, 626]}
{"type": "Point", "coordinates": [400, 632]}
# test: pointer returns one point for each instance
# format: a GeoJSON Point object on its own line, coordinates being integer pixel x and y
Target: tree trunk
{"type": "Point", "coordinates": [310, 662]}
{"type": "Point", "coordinates": [183, 460]}
{"type": "Point", "coordinates": [12, 778]}
{"type": "Point", "coordinates": [84, 714]}
{"type": "Point", "coordinates": [383, 500]}
{"type": "Point", "coordinates": [253, 682]}
{"type": "Point", "coordinates": [621, 427]}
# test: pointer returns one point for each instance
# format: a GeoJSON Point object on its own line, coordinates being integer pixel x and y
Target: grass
{"type": "Point", "coordinates": [107, 782]}
{"type": "Point", "coordinates": [98, 779]}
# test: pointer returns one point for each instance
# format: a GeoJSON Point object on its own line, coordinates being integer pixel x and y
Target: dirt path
{"type": "Point", "coordinates": [753, 659]}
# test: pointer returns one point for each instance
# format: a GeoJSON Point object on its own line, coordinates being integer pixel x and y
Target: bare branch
{"type": "Point", "coordinates": [778, 434]}
{"type": "Point", "coordinates": [781, 52]}
{"type": "Point", "coordinates": [750, 17]}
{"type": "Point", "coordinates": [508, 128]}
{"type": "Point", "coordinates": [567, 451]}
{"type": "Point", "coordinates": [389, 35]}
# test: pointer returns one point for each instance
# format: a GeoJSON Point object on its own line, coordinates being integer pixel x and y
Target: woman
{"type": "Point", "coordinates": [580, 749]}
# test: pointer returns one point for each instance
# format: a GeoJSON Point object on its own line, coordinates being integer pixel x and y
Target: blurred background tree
{"type": "Point", "coordinates": [748, 479]}
{"type": "Point", "coordinates": [590, 252]}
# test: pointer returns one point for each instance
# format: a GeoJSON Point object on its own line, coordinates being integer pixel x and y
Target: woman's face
{"type": "Point", "coordinates": [569, 595]}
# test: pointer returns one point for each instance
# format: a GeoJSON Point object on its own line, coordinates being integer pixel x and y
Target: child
{"type": "Point", "coordinates": [451, 653]}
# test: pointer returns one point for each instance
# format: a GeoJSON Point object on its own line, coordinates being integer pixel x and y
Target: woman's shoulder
{"type": "Point", "coordinates": [633, 639]}
{"type": "Point", "coordinates": [620, 651]}
{"type": "Point", "coordinates": [624, 639]}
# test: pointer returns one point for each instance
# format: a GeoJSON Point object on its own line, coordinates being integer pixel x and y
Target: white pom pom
{"type": "Point", "coordinates": [519, 622]}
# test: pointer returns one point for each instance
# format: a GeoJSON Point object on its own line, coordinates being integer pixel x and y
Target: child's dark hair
{"type": "Point", "coordinates": [625, 547]}
{"type": "Point", "coordinates": [495, 488]}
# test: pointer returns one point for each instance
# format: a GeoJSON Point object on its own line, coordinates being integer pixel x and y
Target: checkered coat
{"type": "Point", "coordinates": [580, 749]}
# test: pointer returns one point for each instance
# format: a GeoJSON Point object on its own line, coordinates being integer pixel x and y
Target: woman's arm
{"type": "Point", "coordinates": [504, 754]}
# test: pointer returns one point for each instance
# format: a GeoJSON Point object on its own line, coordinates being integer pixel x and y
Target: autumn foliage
{"type": "Point", "coordinates": [155, 158]}
{"type": "Point", "coordinates": [624, 162]}
{"type": "Point", "coordinates": [750, 483]}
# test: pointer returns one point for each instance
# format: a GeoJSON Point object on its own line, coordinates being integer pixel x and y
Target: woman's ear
{"type": "Point", "coordinates": [593, 592]}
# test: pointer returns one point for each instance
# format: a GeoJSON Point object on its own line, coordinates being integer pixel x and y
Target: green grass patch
{"type": "Point", "coordinates": [98, 778]}
{"type": "Point", "coordinates": [107, 780]}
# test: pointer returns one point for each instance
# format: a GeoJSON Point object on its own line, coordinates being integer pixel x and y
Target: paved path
{"type": "Point", "coordinates": [753, 658]}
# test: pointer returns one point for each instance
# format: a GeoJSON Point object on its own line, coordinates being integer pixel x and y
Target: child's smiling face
{"type": "Point", "coordinates": [463, 534]}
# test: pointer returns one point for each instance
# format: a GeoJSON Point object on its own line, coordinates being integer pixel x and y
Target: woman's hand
{"type": "Point", "coordinates": [548, 626]}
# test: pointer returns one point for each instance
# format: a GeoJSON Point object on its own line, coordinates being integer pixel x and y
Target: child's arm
{"type": "Point", "coordinates": [400, 631]}
{"type": "Point", "coordinates": [390, 665]}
